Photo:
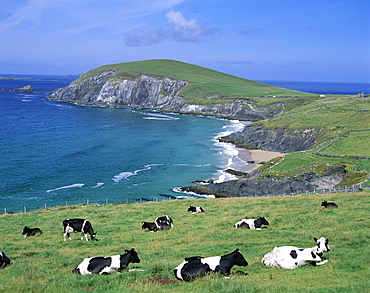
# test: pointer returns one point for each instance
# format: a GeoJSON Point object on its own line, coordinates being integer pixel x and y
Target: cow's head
{"type": "Point", "coordinates": [239, 258]}
{"type": "Point", "coordinates": [324, 203]}
{"type": "Point", "coordinates": [93, 236]}
{"type": "Point", "coordinates": [322, 245]}
{"type": "Point", "coordinates": [264, 221]}
{"type": "Point", "coordinates": [191, 209]}
{"type": "Point", "coordinates": [25, 229]}
{"type": "Point", "coordinates": [134, 257]}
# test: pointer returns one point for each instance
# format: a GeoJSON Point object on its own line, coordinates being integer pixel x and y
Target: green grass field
{"type": "Point", "coordinates": [44, 263]}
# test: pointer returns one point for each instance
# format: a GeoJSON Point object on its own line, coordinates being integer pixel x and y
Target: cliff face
{"type": "Point", "coordinates": [256, 136]}
{"type": "Point", "coordinates": [264, 186]}
{"type": "Point", "coordinates": [164, 94]}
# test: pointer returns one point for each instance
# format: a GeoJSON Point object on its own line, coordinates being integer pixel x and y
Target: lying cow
{"type": "Point", "coordinates": [198, 266]}
{"type": "Point", "coordinates": [195, 210]}
{"type": "Point", "coordinates": [107, 265]}
{"type": "Point", "coordinates": [4, 260]}
{"type": "Point", "coordinates": [78, 225]}
{"type": "Point", "coordinates": [291, 257]}
{"type": "Point", "coordinates": [160, 223]}
{"type": "Point", "coordinates": [27, 231]}
{"type": "Point", "coordinates": [326, 204]}
{"type": "Point", "coordinates": [254, 224]}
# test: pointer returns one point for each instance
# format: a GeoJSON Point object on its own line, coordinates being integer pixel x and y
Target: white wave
{"type": "Point", "coordinates": [178, 189]}
{"type": "Point", "coordinates": [26, 100]}
{"type": "Point", "coordinates": [65, 187]}
{"type": "Point", "coordinates": [157, 116]}
{"type": "Point", "coordinates": [99, 184]}
{"type": "Point", "coordinates": [127, 174]}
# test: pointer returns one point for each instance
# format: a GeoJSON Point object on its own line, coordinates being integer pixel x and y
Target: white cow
{"type": "Point", "coordinates": [291, 257]}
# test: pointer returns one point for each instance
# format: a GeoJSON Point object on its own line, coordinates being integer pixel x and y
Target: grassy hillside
{"type": "Point", "coordinates": [343, 125]}
{"type": "Point", "coordinates": [203, 82]}
{"type": "Point", "coordinates": [44, 263]}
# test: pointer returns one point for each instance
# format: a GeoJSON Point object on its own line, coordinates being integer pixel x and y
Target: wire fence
{"type": "Point", "coordinates": [87, 203]}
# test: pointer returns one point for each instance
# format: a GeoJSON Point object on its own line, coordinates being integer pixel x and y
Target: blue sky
{"type": "Point", "coordinates": [295, 40]}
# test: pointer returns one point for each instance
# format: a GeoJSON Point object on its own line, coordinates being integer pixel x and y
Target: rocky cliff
{"type": "Point", "coordinates": [256, 136]}
{"type": "Point", "coordinates": [149, 92]}
{"type": "Point", "coordinates": [265, 186]}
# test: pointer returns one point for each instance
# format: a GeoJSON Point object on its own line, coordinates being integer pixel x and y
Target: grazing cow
{"type": "Point", "coordinates": [78, 225]}
{"type": "Point", "coordinates": [160, 223]}
{"type": "Point", "coordinates": [107, 265]}
{"type": "Point", "coordinates": [254, 224]}
{"type": "Point", "coordinates": [4, 260]}
{"type": "Point", "coordinates": [27, 231]}
{"type": "Point", "coordinates": [198, 266]}
{"type": "Point", "coordinates": [291, 257]}
{"type": "Point", "coordinates": [326, 204]}
{"type": "Point", "coordinates": [195, 210]}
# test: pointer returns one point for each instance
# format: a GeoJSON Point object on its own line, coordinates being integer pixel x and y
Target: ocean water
{"type": "Point", "coordinates": [54, 153]}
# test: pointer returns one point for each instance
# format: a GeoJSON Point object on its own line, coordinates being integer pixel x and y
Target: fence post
{"type": "Point", "coordinates": [66, 203]}
{"type": "Point", "coordinates": [87, 202]}
{"type": "Point", "coordinates": [4, 210]}
{"type": "Point", "coordinates": [25, 209]}
{"type": "Point", "coordinates": [106, 201]}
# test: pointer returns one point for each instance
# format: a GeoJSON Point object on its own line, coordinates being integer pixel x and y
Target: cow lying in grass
{"type": "Point", "coordinates": [198, 266]}
{"type": "Point", "coordinates": [326, 204]}
{"type": "Point", "coordinates": [254, 224]}
{"type": "Point", "coordinates": [107, 265]}
{"type": "Point", "coordinates": [291, 257]}
{"type": "Point", "coordinates": [27, 231]}
{"type": "Point", "coordinates": [4, 260]}
{"type": "Point", "coordinates": [195, 210]}
{"type": "Point", "coordinates": [160, 223]}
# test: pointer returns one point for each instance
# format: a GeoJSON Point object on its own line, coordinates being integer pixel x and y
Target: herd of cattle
{"type": "Point", "coordinates": [286, 257]}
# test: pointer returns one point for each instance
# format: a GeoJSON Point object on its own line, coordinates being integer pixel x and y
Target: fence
{"type": "Point", "coordinates": [346, 189]}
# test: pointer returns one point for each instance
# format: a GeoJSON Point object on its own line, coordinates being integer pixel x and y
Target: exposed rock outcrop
{"type": "Point", "coordinates": [25, 89]}
{"type": "Point", "coordinates": [157, 93]}
{"type": "Point", "coordinates": [264, 186]}
{"type": "Point", "coordinates": [256, 136]}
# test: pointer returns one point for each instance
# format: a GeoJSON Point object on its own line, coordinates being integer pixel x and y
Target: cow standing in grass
{"type": "Point", "coordinates": [291, 257]}
{"type": "Point", "coordinates": [78, 225]}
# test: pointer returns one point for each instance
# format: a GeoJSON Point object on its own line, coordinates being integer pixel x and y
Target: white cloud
{"type": "Point", "coordinates": [182, 30]}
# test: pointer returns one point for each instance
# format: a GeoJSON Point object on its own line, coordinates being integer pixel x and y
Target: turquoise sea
{"type": "Point", "coordinates": [54, 153]}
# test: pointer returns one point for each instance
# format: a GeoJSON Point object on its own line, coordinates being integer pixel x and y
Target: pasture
{"type": "Point", "coordinates": [44, 263]}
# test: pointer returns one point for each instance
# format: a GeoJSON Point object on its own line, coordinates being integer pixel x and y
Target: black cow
{"type": "Point", "coordinates": [78, 225]}
{"type": "Point", "coordinates": [195, 210]}
{"type": "Point", "coordinates": [107, 265]}
{"type": "Point", "coordinates": [326, 204]}
{"type": "Point", "coordinates": [27, 231]}
{"type": "Point", "coordinates": [4, 260]}
{"type": "Point", "coordinates": [198, 266]}
{"type": "Point", "coordinates": [254, 224]}
{"type": "Point", "coordinates": [151, 226]}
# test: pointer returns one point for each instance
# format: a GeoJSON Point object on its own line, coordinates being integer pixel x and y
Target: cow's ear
{"type": "Point", "coordinates": [126, 250]}
{"type": "Point", "coordinates": [315, 239]}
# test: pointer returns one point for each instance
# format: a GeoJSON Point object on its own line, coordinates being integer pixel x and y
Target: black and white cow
{"type": "Point", "coordinates": [291, 257]}
{"type": "Point", "coordinates": [254, 224]}
{"type": "Point", "coordinates": [27, 231]}
{"type": "Point", "coordinates": [78, 225]}
{"type": "Point", "coordinates": [198, 266]}
{"type": "Point", "coordinates": [326, 204]}
{"type": "Point", "coordinates": [107, 265]}
{"type": "Point", "coordinates": [4, 260]}
{"type": "Point", "coordinates": [195, 210]}
{"type": "Point", "coordinates": [160, 223]}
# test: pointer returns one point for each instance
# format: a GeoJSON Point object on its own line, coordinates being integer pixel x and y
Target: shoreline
{"type": "Point", "coordinates": [257, 156]}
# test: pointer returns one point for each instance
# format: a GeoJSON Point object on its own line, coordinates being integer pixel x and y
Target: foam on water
{"type": "Point", "coordinates": [77, 185]}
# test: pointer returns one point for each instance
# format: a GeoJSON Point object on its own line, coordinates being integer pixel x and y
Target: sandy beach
{"type": "Point", "coordinates": [240, 162]}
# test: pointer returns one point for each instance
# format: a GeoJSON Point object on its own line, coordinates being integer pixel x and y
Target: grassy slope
{"type": "Point", "coordinates": [204, 82]}
{"type": "Point", "coordinates": [44, 263]}
{"type": "Point", "coordinates": [332, 118]}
